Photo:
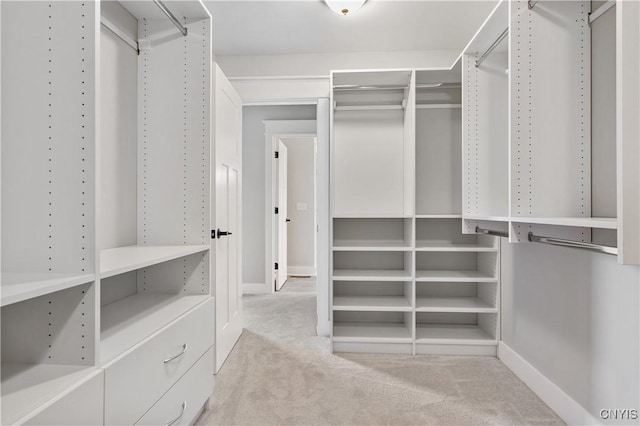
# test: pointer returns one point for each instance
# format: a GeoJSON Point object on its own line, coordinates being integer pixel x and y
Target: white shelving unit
{"type": "Point", "coordinates": [105, 236]}
{"type": "Point", "coordinates": [544, 155]}
{"type": "Point", "coordinates": [405, 279]}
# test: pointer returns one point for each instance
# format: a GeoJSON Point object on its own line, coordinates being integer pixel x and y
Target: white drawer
{"type": "Point", "coordinates": [185, 399]}
{"type": "Point", "coordinates": [81, 406]}
{"type": "Point", "coordinates": [136, 381]}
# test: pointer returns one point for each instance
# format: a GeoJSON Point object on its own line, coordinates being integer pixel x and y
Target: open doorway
{"type": "Point", "coordinates": [295, 213]}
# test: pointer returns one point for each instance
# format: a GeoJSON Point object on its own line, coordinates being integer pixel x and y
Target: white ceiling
{"type": "Point", "coordinates": [309, 26]}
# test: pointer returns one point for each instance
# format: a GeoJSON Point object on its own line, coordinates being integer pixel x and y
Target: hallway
{"type": "Point", "coordinates": [280, 372]}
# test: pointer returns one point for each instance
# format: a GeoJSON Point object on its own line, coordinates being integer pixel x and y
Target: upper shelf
{"type": "Point", "coordinates": [586, 222]}
{"type": "Point", "coordinates": [368, 245]}
{"type": "Point", "coordinates": [17, 287]}
{"type": "Point", "coordinates": [129, 258]}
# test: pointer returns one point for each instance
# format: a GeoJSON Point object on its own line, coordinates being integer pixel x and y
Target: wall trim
{"type": "Point", "coordinates": [568, 409]}
{"type": "Point", "coordinates": [324, 328]}
{"type": "Point", "coordinates": [255, 288]}
{"type": "Point", "coordinates": [301, 270]}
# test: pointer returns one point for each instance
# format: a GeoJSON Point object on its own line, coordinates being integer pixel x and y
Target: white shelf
{"type": "Point", "coordinates": [128, 321]}
{"type": "Point", "coordinates": [364, 245]}
{"type": "Point", "coordinates": [20, 287]}
{"type": "Point", "coordinates": [453, 304]}
{"type": "Point", "coordinates": [428, 246]}
{"type": "Point", "coordinates": [129, 258]}
{"type": "Point", "coordinates": [583, 222]}
{"type": "Point", "coordinates": [438, 216]}
{"type": "Point", "coordinates": [453, 334]}
{"type": "Point", "coordinates": [372, 332]}
{"type": "Point", "coordinates": [488, 218]}
{"type": "Point", "coordinates": [438, 106]}
{"type": "Point", "coordinates": [453, 276]}
{"type": "Point", "coordinates": [370, 275]}
{"type": "Point", "coordinates": [370, 216]}
{"type": "Point", "coordinates": [372, 303]}
{"type": "Point", "coordinates": [25, 387]}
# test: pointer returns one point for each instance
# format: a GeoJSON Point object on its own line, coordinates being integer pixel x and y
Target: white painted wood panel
{"type": "Point", "coordinates": [368, 163]}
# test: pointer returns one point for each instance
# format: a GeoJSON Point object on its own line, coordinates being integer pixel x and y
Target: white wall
{"type": "Point", "coordinates": [574, 316]}
{"type": "Point", "coordinates": [253, 197]}
{"type": "Point", "coordinates": [317, 64]}
{"type": "Point", "coordinates": [301, 239]}
{"type": "Point", "coordinates": [273, 78]}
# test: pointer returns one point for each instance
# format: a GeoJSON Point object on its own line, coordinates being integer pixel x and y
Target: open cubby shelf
{"type": "Point", "coordinates": [27, 386]}
{"type": "Point", "coordinates": [120, 260]}
{"type": "Point", "coordinates": [399, 251]}
{"type": "Point", "coordinates": [372, 303]}
{"type": "Point", "coordinates": [17, 287]}
{"type": "Point", "coordinates": [371, 332]}
{"type": "Point", "coordinates": [453, 334]}
{"type": "Point", "coordinates": [453, 304]}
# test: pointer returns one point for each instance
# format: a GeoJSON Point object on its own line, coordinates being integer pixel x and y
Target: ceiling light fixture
{"type": "Point", "coordinates": [344, 7]}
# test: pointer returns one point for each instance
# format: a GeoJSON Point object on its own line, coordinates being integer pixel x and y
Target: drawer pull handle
{"type": "Point", "coordinates": [184, 349]}
{"type": "Point", "coordinates": [184, 407]}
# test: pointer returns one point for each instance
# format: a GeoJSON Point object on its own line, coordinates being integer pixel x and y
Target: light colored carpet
{"type": "Point", "coordinates": [281, 373]}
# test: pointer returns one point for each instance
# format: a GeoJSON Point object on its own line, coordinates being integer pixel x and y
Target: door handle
{"type": "Point", "coordinates": [172, 422]}
{"type": "Point", "coordinates": [223, 233]}
{"type": "Point", "coordinates": [288, 220]}
{"type": "Point", "coordinates": [184, 349]}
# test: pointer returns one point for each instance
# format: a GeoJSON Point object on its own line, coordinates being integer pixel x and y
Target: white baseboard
{"type": "Point", "coordinates": [566, 407]}
{"type": "Point", "coordinates": [323, 328]}
{"type": "Point", "coordinates": [256, 288]}
{"type": "Point", "coordinates": [301, 270]}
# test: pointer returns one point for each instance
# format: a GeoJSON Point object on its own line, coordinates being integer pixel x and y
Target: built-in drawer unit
{"type": "Point", "coordinates": [185, 400]}
{"type": "Point", "coordinates": [137, 379]}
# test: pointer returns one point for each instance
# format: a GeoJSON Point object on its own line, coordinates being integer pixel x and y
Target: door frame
{"type": "Point", "coordinates": [274, 131]}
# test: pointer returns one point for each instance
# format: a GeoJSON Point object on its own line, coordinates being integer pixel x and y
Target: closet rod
{"type": "Point", "coordinates": [368, 107]}
{"type": "Point", "coordinates": [495, 44]}
{"type": "Point", "coordinates": [355, 87]}
{"type": "Point", "coordinates": [601, 10]}
{"type": "Point", "coordinates": [171, 17]}
{"type": "Point", "coordinates": [119, 33]}
{"type": "Point", "coordinates": [438, 86]}
{"type": "Point", "coordinates": [573, 244]}
{"type": "Point", "coordinates": [490, 232]}
{"type": "Point", "coordinates": [490, 49]}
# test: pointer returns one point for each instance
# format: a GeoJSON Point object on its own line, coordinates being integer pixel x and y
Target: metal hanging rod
{"type": "Point", "coordinates": [532, 3]}
{"type": "Point", "coordinates": [490, 232]}
{"type": "Point", "coordinates": [438, 86]}
{"type": "Point", "coordinates": [573, 244]}
{"type": "Point", "coordinates": [355, 87]}
{"type": "Point", "coordinates": [171, 17]}
{"type": "Point", "coordinates": [119, 33]}
{"type": "Point", "coordinates": [495, 44]}
{"type": "Point", "coordinates": [601, 10]}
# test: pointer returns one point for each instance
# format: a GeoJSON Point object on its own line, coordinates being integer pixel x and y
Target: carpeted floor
{"type": "Point", "coordinates": [281, 373]}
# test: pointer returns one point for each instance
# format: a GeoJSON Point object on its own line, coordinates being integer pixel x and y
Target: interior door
{"type": "Point", "coordinates": [282, 219]}
{"type": "Point", "coordinates": [227, 216]}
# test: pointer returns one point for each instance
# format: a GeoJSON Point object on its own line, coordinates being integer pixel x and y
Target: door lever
{"type": "Point", "coordinates": [223, 233]}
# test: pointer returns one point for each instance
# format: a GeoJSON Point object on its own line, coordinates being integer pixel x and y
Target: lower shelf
{"type": "Point", "coordinates": [130, 320]}
{"type": "Point", "coordinates": [371, 332]}
{"type": "Point", "coordinates": [453, 334]}
{"type": "Point", "coordinates": [25, 387]}
{"type": "Point", "coordinates": [372, 303]}
{"type": "Point", "coordinates": [453, 304]}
